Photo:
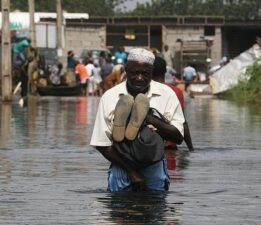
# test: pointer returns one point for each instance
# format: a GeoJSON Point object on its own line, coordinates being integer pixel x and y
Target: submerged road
{"type": "Point", "coordinates": [50, 175]}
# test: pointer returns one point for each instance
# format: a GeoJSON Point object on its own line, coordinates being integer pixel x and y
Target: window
{"type": "Point", "coordinates": [209, 31]}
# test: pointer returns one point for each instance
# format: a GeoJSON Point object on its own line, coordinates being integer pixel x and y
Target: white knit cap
{"type": "Point", "coordinates": [141, 55]}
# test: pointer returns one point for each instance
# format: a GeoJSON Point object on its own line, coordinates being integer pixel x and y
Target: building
{"type": "Point", "coordinates": [191, 38]}
{"type": "Point", "coordinates": [204, 36]}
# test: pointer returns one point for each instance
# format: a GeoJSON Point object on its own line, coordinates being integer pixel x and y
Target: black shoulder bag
{"type": "Point", "coordinates": [146, 149]}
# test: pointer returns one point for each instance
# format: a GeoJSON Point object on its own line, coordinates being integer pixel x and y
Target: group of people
{"type": "Point", "coordinates": [189, 73]}
{"type": "Point", "coordinates": [95, 76]}
{"type": "Point", "coordinates": [141, 101]}
{"type": "Point", "coordinates": [27, 65]}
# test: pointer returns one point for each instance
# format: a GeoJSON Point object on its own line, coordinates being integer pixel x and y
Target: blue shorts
{"type": "Point", "coordinates": [155, 176]}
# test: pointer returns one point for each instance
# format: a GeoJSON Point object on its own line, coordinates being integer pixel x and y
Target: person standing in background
{"type": "Point", "coordinates": [82, 74]}
{"type": "Point", "coordinates": [120, 55]}
{"type": "Point", "coordinates": [159, 75]}
{"type": "Point", "coordinates": [71, 63]}
{"type": "Point", "coordinates": [19, 51]}
{"type": "Point", "coordinates": [189, 73]}
{"type": "Point", "coordinates": [56, 74]}
{"type": "Point", "coordinates": [168, 55]}
{"type": "Point", "coordinates": [20, 62]}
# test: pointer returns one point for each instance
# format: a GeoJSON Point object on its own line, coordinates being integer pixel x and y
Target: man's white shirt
{"type": "Point", "coordinates": [161, 97]}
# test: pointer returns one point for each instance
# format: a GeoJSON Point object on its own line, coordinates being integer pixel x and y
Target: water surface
{"type": "Point", "coordinates": [50, 175]}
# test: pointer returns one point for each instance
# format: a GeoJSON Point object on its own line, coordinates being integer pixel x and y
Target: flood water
{"type": "Point", "coordinates": [50, 175]}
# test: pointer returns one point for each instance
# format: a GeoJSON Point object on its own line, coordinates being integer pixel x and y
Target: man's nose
{"type": "Point", "coordinates": [139, 76]}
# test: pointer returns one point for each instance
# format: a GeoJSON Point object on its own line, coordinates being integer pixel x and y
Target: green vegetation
{"type": "Point", "coordinates": [231, 9]}
{"type": "Point", "coordinates": [248, 90]}
{"type": "Point", "coordinates": [92, 7]}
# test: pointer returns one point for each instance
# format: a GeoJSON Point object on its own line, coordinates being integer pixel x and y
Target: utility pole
{"type": "Point", "coordinates": [59, 31]}
{"type": "Point", "coordinates": [32, 25]}
{"type": "Point", "coordinates": [6, 53]}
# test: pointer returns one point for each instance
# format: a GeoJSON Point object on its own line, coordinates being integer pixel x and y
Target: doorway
{"type": "Point", "coordinates": [156, 37]}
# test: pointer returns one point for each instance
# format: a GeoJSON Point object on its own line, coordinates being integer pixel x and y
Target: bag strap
{"type": "Point", "coordinates": [156, 113]}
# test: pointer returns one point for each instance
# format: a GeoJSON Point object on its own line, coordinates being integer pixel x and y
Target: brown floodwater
{"type": "Point", "coordinates": [50, 175]}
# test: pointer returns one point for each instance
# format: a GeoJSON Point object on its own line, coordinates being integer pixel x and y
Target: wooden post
{"type": "Point", "coordinates": [6, 53]}
{"type": "Point", "coordinates": [59, 31]}
{"type": "Point", "coordinates": [32, 25]}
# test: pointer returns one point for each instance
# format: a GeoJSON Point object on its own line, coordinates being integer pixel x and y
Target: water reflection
{"type": "Point", "coordinates": [139, 208]}
{"type": "Point", "coordinates": [6, 114]}
{"type": "Point", "coordinates": [176, 162]}
{"type": "Point", "coordinates": [222, 124]}
{"type": "Point", "coordinates": [54, 122]}
{"type": "Point", "coordinates": [5, 170]}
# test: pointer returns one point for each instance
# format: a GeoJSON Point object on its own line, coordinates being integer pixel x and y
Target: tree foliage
{"type": "Point", "coordinates": [239, 9]}
{"type": "Point", "coordinates": [248, 90]}
{"type": "Point", "coordinates": [92, 7]}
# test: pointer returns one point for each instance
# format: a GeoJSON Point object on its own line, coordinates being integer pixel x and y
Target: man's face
{"type": "Point", "coordinates": [138, 75]}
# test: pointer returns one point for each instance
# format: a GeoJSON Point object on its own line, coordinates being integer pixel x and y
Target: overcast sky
{"type": "Point", "coordinates": [131, 4]}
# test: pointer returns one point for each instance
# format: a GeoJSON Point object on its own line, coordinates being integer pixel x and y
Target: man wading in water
{"type": "Point", "coordinates": [123, 110]}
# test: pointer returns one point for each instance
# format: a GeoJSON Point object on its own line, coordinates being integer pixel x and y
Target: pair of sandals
{"type": "Point", "coordinates": [129, 111]}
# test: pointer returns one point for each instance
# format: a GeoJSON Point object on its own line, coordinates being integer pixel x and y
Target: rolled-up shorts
{"type": "Point", "coordinates": [155, 176]}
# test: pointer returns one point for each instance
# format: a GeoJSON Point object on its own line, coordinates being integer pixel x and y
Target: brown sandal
{"type": "Point", "coordinates": [138, 114]}
{"type": "Point", "coordinates": [121, 115]}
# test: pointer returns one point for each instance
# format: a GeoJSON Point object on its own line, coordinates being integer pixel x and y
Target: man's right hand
{"type": "Point", "coordinates": [137, 181]}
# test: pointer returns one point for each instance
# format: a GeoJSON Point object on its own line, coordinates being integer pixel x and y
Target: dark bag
{"type": "Point", "coordinates": [146, 149]}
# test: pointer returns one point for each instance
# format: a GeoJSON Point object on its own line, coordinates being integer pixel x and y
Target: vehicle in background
{"type": "Point", "coordinates": [49, 55]}
{"type": "Point", "coordinates": [94, 53]}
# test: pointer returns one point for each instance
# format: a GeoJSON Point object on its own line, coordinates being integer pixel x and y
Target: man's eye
{"type": "Point", "coordinates": [139, 72]}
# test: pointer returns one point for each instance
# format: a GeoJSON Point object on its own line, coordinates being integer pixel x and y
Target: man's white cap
{"type": "Point", "coordinates": [141, 55]}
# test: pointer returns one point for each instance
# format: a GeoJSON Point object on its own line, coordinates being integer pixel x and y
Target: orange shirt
{"type": "Point", "coordinates": [81, 70]}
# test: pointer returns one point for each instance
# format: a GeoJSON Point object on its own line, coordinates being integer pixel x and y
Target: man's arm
{"type": "Point", "coordinates": [166, 131]}
{"type": "Point", "coordinates": [110, 154]}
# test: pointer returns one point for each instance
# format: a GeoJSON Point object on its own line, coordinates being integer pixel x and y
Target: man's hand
{"type": "Point", "coordinates": [136, 181]}
{"type": "Point", "coordinates": [168, 131]}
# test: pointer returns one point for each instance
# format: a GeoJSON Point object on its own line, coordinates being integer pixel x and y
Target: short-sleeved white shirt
{"type": "Point", "coordinates": [161, 97]}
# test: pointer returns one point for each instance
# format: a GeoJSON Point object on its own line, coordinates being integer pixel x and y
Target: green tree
{"type": "Point", "coordinates": [92, 7]}
{"type": "Point", "coordinates": [248, 90]}
{"type": "Point", "coordinates": [240, 9]}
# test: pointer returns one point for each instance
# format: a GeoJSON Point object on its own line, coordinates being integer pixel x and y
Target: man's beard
{"type": "Point", "coordinates": [137, 89]}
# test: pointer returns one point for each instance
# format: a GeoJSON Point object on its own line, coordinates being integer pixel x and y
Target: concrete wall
{"type": "Point", "coordinates": [76, 38]}
{"type": "Point", "coordinates": [171, 33]}
{"type": "Point", "coordinates": [216, 50]}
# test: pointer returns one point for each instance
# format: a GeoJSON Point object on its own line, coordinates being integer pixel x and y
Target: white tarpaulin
{"type": "Point", "coordinates": [200, 88]}
{"type": "Point", "coordinates": [21, 20]}
{"type": "Point", "coordinates": [229, 75]}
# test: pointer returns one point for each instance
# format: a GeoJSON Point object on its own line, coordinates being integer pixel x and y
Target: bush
{"type": "Point", "coordinates": [248, 90]}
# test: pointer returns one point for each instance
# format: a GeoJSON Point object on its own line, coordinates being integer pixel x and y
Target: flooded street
{"type": "Point", "coordinates": [50, 175]}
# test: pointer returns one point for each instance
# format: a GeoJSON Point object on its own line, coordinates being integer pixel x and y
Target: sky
{"type": "Point", "coordinates": [131, 4]}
